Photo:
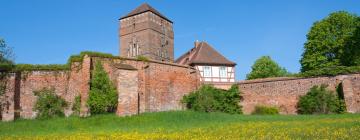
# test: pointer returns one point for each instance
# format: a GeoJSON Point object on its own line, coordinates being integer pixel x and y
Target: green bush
{"type": "Point", "coordinates": [319, 100]}
{"type": "Point", "coordinates": [102, 96]}
{"type": "Point", "coordinates": [48, 104]}
{"type": "Point", "coordinates": [211, 99]}
{"type": "Point", "coordinates": [76, 106]}
{"type": "Point", "coordinates": [264, 110]}
{"type": "Point", "coordinates": [142, 58]}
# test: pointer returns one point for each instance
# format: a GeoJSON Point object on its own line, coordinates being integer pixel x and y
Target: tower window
{"type": "Point", "coordinates": [134, 50]}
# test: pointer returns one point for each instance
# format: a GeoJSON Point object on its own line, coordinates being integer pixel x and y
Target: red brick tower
{"type": "Point", "coordinates": [146, 32]}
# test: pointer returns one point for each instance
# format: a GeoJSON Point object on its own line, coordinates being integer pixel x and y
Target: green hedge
{"type": "Point", "coordinates": [211, 99]}
{"type": "Point", "coordinates": [320, 100]}
{"type": "Point", "coordinates": [265, 110]}
{"type": "Point", "coordinates": [142, 58]}
{"type": "Point", "coordinates": [4, 66]}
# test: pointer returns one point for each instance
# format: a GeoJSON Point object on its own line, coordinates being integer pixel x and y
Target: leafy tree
{"type": "Point", "coordinates": [319, 100]}
{"type": "Point", "coordinates": [265, 67]}
{"type": "Point", "coordinates": [102, 96]}
{"type": "Point", "coordinates": [6, 56]}
{"type": "Point", "coordinates": [6, 64]}
{"type": "Point", "coordinates": [352, 50]}
{"type": "Point", "coordinates": [327, 39]}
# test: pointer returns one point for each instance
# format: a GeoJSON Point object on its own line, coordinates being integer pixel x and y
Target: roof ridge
{"type": "Point", "coordinates": [198, 50]}
{"type": "Point", "coordinates": [145, 7]}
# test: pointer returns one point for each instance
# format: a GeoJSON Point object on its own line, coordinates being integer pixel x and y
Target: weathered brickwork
{"type": "Point", "coordinates": [127, 86]}
{"type": "Point", "coordinates": [151, 86]}
{"type": "Point", "coordinates": [351, 88]}
{"type": "Point", "coordinates": [148, 35]}
{"type": "Point", "coordinates": [284, 93]}
{"type": "Point", "coordinates": [37, 80]}
{"type": "Point", "coordinates": [84, 85]}
{"type": "Point", "coordinates": [19, 99]}
{"type": "Point", "coordinates": [161, 85]}
{"type": "Point", "coordinates": [7, 99]}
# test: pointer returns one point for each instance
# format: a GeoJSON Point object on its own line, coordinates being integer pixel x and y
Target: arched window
{"type": "Point", "coordinates": [134, 50]}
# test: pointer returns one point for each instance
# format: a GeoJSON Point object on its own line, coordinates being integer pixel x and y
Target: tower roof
{"type": "Point", "coordinates": [145, 8]}
{"type": "Point", "coordinates": [203, 53]}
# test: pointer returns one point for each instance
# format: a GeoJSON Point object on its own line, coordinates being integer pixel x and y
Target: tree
{"type": "Point", "coordinates": [352, 50]}
{"type": "Point", "coordinates": [327, 39]}
{"type": "Point", "coordinates": [6, 56]}
{"type": "Point", "coordinates": [265, 67]}
{"type": "Point", "coordinates": [103, 96]}
{"type": "Point", "coordinates": [6, 64]}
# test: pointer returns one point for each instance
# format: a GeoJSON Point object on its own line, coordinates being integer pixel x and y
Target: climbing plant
{"type": "Point", "coordinates": [102, 96]}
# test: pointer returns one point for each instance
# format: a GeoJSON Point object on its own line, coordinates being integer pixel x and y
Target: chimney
{"type": "Point", "coordinates": [196, 43]}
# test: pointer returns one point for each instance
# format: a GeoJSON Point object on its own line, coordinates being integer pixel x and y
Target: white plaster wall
{"type": "Point", "coordinates": [215, 74]}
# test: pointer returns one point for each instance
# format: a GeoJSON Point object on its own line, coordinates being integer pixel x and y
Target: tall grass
{"type": "Point", "coordinates": [178, 122]}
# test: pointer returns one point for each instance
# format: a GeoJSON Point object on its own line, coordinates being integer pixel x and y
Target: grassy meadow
{"type": "Point", "coordinates": [187, 125]}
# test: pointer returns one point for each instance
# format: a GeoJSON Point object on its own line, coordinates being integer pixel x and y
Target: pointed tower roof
{"type": "Point", "coordinates": [145, 8]}
{"type": "Point", "coordinates": [203, 53]}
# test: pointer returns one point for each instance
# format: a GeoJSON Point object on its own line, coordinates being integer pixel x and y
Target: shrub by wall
{"type": "Point", "coordinates": [265, 110]}
{"type": "Point", "coordinates": [76, 106]}
{"type": "Point", "coordinates": [211, 99]}
{"type": "Point", "coordinates": [102, 96]}
{"type": "Point", "coordinates": [319, 100]}
{"type": "Point", "coordinates": [48, 104]}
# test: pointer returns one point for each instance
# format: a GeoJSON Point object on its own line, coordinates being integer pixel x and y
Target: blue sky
{"type": "Point", "coordinates": [47, 32]}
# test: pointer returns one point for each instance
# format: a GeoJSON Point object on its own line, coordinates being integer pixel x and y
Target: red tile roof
{"type": "Point", "coordinates": [145, 8]}
{"type": "Point", "coordinates": [203, 54]}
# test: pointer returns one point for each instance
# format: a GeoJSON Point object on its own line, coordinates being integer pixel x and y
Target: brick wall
{"type": "Point", "coordinates": [128, 95]}
{"type": "Point", "coordinates": [36, 80]}
{"type": "Point", "coordinates": [284, 93]}
{"type": "Point", "coordinates": [7, 99]}
{"type": "Point", "coordinates": [19, 99]}
{"type": "Point", "coordinates": [161, 85]}
{"type": "Point", "coordinates": [158, 86]}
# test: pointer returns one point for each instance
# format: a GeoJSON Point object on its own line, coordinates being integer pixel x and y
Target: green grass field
{"type": "Point", "coordinates": [187, 125]}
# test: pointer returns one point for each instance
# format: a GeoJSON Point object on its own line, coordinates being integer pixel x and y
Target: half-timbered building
{"type": "Point", "coordinates": [212, 66]}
